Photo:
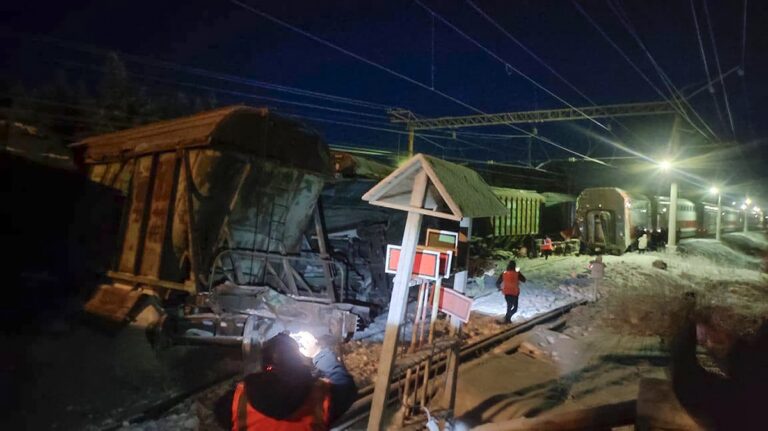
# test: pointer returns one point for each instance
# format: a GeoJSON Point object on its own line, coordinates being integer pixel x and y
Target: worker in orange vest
{"type": "Point", "coordinates": [289, 394]}
{"type": "Point", "coordinates": [546, 247]}
{"type": "Point", "coordinates": [509, 284]}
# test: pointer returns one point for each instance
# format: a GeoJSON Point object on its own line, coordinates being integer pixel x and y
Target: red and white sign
{"type": "Point", "coordinates": [455, 304]}
{"type": "Point", "coordinates": [428, 264]}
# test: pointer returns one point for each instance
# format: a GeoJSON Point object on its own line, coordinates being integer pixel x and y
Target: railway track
{"type": "Point", "coordinates": [360, 409]}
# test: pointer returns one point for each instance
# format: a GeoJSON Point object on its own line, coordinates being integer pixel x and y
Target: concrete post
{"type": "Point", "coordinates": [719, 216]}
{"type": "Point", "coordinates": [672, 223]}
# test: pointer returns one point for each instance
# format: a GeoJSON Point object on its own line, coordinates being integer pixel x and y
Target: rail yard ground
{"type": "Point", "coordinates": [595, 356]}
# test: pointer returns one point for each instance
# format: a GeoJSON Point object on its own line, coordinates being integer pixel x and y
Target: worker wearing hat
{"type": "Point", "coordinates": [301, 386]}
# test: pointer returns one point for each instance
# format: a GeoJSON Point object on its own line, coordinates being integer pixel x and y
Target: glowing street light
{"type": "Point", "coordinates": [665, 165]}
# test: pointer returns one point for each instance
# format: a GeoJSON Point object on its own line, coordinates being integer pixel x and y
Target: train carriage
{"type": "Point", "coordinates": [687, 223]}
{"type": "Point", "coordinates": [610, 218]}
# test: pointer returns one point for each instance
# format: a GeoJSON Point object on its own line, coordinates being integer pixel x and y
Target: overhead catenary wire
{"type": "Point", "coordinates": [397, 74]}
{"type": "Point", "coordinates": [214, 75]}
{"type": "Point", "coordinates": [719, 69]}
{"type": "Point", "coordinates": [505, 63]}
{"type": "Point", "coordinates": [677, 96]}
{"type": "Point", "coordinates": [704, 60]}
{"type": "Point", "coordinates": [675, 104]}
{"type": "Point", "coordinates": [538, 59]}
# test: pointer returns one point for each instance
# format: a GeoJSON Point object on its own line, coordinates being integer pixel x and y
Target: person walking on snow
{"type": "Point", "coordinates": [509, 284]}
{"type": "Point", "coordinates": [598, 270]}
{"type": "Point", "coordinates": [546, 247]}
{"type": "Point", "coordinates": [642, 243]}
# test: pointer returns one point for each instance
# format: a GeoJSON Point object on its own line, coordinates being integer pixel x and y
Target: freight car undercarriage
{"type": "Point", "coordinates": [234, 313]}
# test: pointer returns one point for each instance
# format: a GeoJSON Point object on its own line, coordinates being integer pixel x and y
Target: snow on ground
{"type": "Point", "coordinates": [633, 314]}
{"type": "Point", "coordinates": [551, 284]}
{"type": "Point", "coordinates": [753, 243]}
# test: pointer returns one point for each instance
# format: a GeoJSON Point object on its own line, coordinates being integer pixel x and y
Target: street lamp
{"type": "Point", "coordinates": [666, 166]}
{"type": "Point", "coordinates": [716, 191]}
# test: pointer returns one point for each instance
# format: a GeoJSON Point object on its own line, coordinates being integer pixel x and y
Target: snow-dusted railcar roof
{"type": "Point", "coordinates": [243, 129]}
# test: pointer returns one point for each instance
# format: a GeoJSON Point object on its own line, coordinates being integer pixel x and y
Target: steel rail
{"type": "Point", "coordinates": [360, 408]}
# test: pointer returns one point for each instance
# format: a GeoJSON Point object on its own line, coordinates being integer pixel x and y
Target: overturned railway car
{"type": "Point", "coordinates": [218, 204]}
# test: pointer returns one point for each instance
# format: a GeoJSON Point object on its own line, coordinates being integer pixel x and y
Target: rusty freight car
{"type": "Point", "coordinates": [212, 241]}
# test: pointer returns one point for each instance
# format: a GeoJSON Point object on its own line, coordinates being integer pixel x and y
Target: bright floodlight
{"type": "Point", "coordinates": [748, 201]}
{"type": "Point", "coordinates": [714, 190]}
{"type": "Point", "coordinates": [665, 165]}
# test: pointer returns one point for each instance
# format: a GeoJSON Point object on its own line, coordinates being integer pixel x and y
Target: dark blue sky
{"type": "Point", "coordinates": [222, 37]}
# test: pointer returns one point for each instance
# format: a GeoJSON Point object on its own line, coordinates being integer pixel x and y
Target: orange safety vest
{"type": "Point", "coordinates": [546, 245]}
{"type": "Point", "coordinates": [511, 283]}
{"type": "Point", "coordinates": [313, 415]}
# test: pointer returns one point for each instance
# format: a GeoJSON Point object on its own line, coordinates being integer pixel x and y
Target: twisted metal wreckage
{"type": "Point", "coordinates": [214, 244]}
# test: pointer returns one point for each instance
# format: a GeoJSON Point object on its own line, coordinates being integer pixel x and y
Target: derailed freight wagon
{"type": "Point", "coordinates": [522, 218]}
{"type": "Point", "coordinates": [213, 235]}
{"type": "Point", "coordinates": [610, 219]}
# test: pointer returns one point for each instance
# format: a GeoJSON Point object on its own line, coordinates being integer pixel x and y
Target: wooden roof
{"type": "Point", "coordinates": [453, 192]}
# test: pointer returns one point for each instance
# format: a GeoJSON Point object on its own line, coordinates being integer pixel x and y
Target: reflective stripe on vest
{"type": "Point", "coordinates": [312, 415]}
{"type": "Point", "coordinates": [511, 282]}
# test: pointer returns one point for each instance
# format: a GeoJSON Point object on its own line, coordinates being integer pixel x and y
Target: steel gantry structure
{"type": "Point", "coordinates": [412, 123]}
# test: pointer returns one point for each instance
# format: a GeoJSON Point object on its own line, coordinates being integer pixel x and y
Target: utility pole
{"type": "Point", "coordinates": [674, 146]}
{"type": "Point", "coordinates": [410, 141]}
{"type": "Point", "coordinates": [719, 215]}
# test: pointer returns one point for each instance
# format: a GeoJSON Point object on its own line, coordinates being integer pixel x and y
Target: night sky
{"type": "Point", "coordinates": [218, 37]}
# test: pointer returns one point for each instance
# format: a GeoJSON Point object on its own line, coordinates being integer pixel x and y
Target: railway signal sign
{"type": "Point", "coordinates": [427, 264]}
{"type": "Point", "coordinates": [455, 304]}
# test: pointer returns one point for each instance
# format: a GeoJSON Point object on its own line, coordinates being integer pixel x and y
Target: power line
{"type": "Point", "coordinates": [394, 73]}
{"type": "Point", "coordinates": [719, 69]}
{"type": "Point", "coordinates": [230, 92]}
{"type": "Point", "coordinates": [704, 60]}
{"type": "Point", "coordinates": [543, 63]}
{"type": "Point", "coordinates": [624, 19]}
{"type": "Point", "coordinates": [673, 102]}
{"type": "Point", "coordinates": [215, 75]}
{"type": "Point", "coordinates": [504, 62]}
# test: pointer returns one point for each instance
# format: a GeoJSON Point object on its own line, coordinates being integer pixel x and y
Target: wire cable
{"type": "Point", "coordinates": [719, 69]}
{"type": "Point", "coordinates": [704, 60]}
{"type": "Point", "coordinates": [675, 104]}
{"type": "Point", "coordinates": [505, 63]}
{"type": "Point", "coordinates": [624, 19]}
{"type": "Point", "coordinates": [394, 73]}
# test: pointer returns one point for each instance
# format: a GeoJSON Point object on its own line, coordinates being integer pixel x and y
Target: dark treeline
{"type": "Point", "coordinates": [69, 108]}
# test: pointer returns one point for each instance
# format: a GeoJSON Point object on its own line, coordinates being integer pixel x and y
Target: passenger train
{"type": "Point", "coordinates": [611, 219]}
{"type": "Point", "coordinates": [607, 219]}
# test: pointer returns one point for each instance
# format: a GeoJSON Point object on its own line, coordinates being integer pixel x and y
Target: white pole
{"type": "Point", "coordinates": [672, 224]}
{"type": "Point", "coordinates": [745, 219]}
{"type": "Point", "coordinates": [398, 303]}
{"type": "Point", "coordinates": [719, 216]}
